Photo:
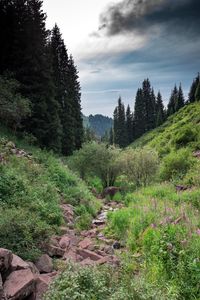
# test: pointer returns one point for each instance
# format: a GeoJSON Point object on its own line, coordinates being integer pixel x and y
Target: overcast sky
{"type": "Point", "coordinates": [116, 44]}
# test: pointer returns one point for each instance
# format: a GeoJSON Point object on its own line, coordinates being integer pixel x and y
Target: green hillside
{"type": "Point", "coordinates": [180, 130]}
{"type": "Point", "coordinates": [33, 183]}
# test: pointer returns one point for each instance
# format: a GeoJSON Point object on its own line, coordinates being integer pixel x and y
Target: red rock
{"type": "Point", "coordinates": [5, 259]}
{"type": "Point", "coordinates": [87, 262]}
{"type": "Point", "coordinates": [44, 264]}
{"type": "Point", "coordinates": [19, 284]}
{"type": "Point", "coordinates": [88, 254]}
{"type": "Point", "coordinates": [18, 264]}
{"type": "Point", "coordinates": [42, 284]}
{"type": "Point", "coordinates": [84, 244]}
{"type": "Point", "coordinates": [103, 260]}
{"type": "Point", "coordinates": [54, 241]}
{"type": "Point", "coordinates": [1, 289]}
{"type": "Point", "coordinates": [68, 212]}
{"type": "Point", "coordinates": [72, 256]}
{"type": "Point", "coordinates": [33, 268]}
{"type": "Point", "coordinates": [55, 251]}
{"type": "Point", "coordinates": [64, 242]}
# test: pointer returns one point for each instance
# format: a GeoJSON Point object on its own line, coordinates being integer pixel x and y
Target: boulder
{"type": "Point", "coordinates": [84, 244]}
{"type": "Point", "coordinates": [2, 296]}
{"type": "Point", "coordinates": [44, 264]}
{"type": "Point", "coordinates": [6, 257]}
{"type": "Point", "coordinates": [110, 191]}
{"type": "Point", "coordinates": [64, 242]}
{"type": "Point", "coordinates": [88, 254]}
{"type": "Point", "coordinates": [18, 264]}
{"type": "Point", "coordinates": [42, 284]}
{"type": "Point", "coordinates": [54, 251]}
{"type": "Point", "coordinates": [19, 284]}
{"type": "Point", "coordinates": [33, 268]}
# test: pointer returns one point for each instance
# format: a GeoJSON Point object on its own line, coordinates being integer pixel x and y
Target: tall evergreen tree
{"type": "Point", "coordinates": [171, 108]}
{"type": "Point", "coordinates": [197, 93]}
{"type": "Point", "coordinates": [180, 99]}
{"type": "Point", "coordinates": [111, 136]}
{"type": "Point", "coordinates": [129, 125]}
{"type": "Point", "coordinates": [149, 104]}
{"type": "Point", "coordinates": [120, 133]}
{"type": "Point", "coordinates": [191, 96]}
{"type": "Point", "coordinates": [139, 114]}
{"type": "Point", "coordinates": [160, 113]}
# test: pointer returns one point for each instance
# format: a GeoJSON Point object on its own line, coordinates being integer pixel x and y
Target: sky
{"type": "Point", "coordinates": [116, 44]}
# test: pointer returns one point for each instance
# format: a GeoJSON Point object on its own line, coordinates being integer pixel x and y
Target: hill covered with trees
{"type": "Point", "coordinates": [39, 84]}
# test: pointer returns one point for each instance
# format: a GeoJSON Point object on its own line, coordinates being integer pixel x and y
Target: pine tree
{"type": "Point", "coordinates": [171, 108]}
{"type": "Point", "coordinates": [149, 104]}
{"type": "Point", "coordinates": [160, 114]}
{"type": "Point", "coordinates": [129, 125]}
{"type": "Point", "coordinates": [120, 133]}
{"type": "Point", "coordinates": [139, 114]}
{"type": "Point", "coordinates": [180, 99]}
{"type": "Point", "coordinates": [191, 97]}
{"type": "Point", "coordinates": [197, 93]}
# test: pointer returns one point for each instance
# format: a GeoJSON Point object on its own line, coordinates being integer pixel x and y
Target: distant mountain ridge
{"type": "Point", "coordinates": [98, 123]}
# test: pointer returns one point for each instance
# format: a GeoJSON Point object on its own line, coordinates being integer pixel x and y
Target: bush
{"type": "Point", "coordinates": [140, 165]}
{"type": "Point", "coordinates": [176, 164]}
{"type": "Point", "coordinates": [97, 160]}
{"type": "Point", "coordinates": [185, 135]}
{"type": "Point", "coordinates": [23, 232]}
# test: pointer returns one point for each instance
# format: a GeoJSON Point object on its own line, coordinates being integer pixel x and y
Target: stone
{"type": "Point", "coordinates": [6, 257]}
{"type": "Point", "coordinates": [84, 244]}
{"type": "Point", "coordinates": [64, 242]}
{"type": "Point", "coordinates": [88, 254]}
{"type": "Point", "coordinates": [87, 262]}
{"type": "Point", "coordinates": [42, 284]}
{"type": "Point", "coordinates": [68, 212]}
{"type": "Point", "coordinates": [33, 268]}
{"type": "Point", "coordinates": [110, 191]}
{"type": "Point", "coordinates": [116, 245]}
{"type": "Point", "coordinates": [44, 264]}
{"type": "Point", "coordinates": [2, 296]}
{"type": "Point", "coordinates": [54, 251]}
{"type": "Point", "coordinates": [19, 284]}
{"type": "Point", "coordinates": [98, 222]}
{"type": "Point", "coordinates": [54, 241]}
{"type": "Point", "coordinates": [18, 264]}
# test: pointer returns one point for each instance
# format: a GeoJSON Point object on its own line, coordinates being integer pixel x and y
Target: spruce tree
{"type": "Point", "coordinates": [129, 125]}
{"type": "Point", "coordinates": [139, 114]}
{"type": "Point", "coordinates": [149, 104]}
{"type": "Point", "coordinates": [120, 133]}
{"type": "Point", "coordinates": [171, 108]}
{"type": "Point", "coordinates": [180, 99]}
{"type": "Point", "coordinates": [160, 113]}
{"type": "Point", "coordinates": [197, 93]}
{"type": "Point", "coordinates": [191, 96]}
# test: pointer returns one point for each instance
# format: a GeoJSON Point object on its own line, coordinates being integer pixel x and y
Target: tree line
{"type": "Point", "coordinates": [149, 112]}
{"type": "Point", "coordinates": [38, 78]}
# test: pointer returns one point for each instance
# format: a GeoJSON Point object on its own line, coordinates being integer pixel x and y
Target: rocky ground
{"type": "Point", "coordinates": [24, 280]}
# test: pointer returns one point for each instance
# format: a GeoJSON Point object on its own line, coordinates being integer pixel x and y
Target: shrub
{"type": "Point", "coordinates": [176, 164]}
{"type": "Point", "coordinates": [97, 160]}
{"type": "Point", "coordinates": [140, 165]}
{"type": "Point", "coordinates": [185, 135]}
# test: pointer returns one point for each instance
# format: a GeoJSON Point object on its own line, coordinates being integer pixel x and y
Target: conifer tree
{"type": "Point", "coordinates": [129, 125]}
{"type": "Point", "coordinates": [193, 88]}
{"type": "Point", "coordinates": [120, 133]}
{"type": "Point", "coordinates": [160, 113]}
{"type": "Point", "coordinates": [171, 108]}
{"type": "Point", "coordinates": [197, 93]}
{"type": "Point", "coordinates": [111, 136]}
{"type": "Point", "coordinates": [149, 104]}
{"type": "Point", "coordinates": [180, 99]}
{"type": "Point", "coordinates": [139, 114]}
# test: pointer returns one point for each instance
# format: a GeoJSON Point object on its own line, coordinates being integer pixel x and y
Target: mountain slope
{"type": "Point", "coordinates": [180, 130]}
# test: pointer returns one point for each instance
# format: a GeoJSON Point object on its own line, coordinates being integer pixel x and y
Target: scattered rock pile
{"type": "Point", "coordinates": [22, 280]}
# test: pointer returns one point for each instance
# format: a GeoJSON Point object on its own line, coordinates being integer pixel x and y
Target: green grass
{"type": "Point", "coordinates": [31, 190]}
{"type": "Point", "coordinates": [180, 130]}
{"type": "Point", "coordinates": [160, 227]}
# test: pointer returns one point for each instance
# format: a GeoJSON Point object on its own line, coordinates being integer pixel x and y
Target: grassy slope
{"type": "Point", "coordinates": [30, 194]}
{"type": "Point", "coordinates": [181, 129]}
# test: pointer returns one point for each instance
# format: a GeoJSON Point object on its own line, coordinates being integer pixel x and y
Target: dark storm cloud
{"type": "Point", "coordinates": [143, 15]}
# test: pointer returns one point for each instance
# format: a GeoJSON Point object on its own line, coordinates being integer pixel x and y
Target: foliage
{"type": "Point", "coordinates": [176, 164]}
{"type": "Point", "coordinates": [14, 107]}
{"type": "Point", "coordinates": [31, 190]}
{"type": "Point", "coordinates": [98, 160]}
{"type": "Point", "coordinates": [139, 165]}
